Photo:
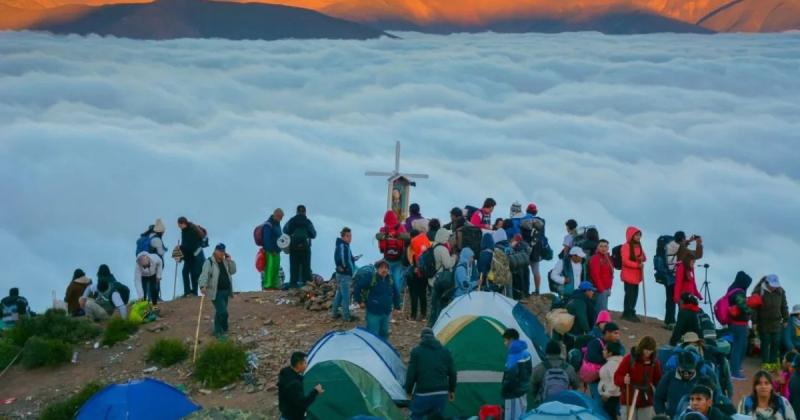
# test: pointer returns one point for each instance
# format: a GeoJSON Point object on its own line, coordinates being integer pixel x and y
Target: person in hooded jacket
{"type": "Point", "coordinates": [688, 320]}
{"type": "Point", "coordinates": [392, 239]}
{"type": "Point", "coordinates": [431, 377]}
{"type": "Point", "coordinates": [570, 272]}
{"type": "Point", "coordinates": [739, 322]}
{"type": "Point", "coordinates": [516, 376]}
{"type": "Point", "coordinates": [639, 370]}
{"type": "Point", "coordinates": [601, 274]}
{"type": "Point", "coordinates": [345, 268]}
{"type": "Point", "coordinates": [414, 214]}
{"type": "Point", "coordinates": [770, 319]}
{"type": "Point", "coordinates": [292, 402]}
{"type": "Point", "coordinates": [633, 259]}
{"type": "Point", "coordinates": [581, 306]}
{"type": "Point", "coordinates": [485, 260]}
{"type": "Point", "coordinates": [417, 285]}
{"type": "Point", "coordinates": [684, 267]}
{"type": "Point", "coordinates": [74, 292]}
{"type": "Point", "coordinates": [443, 283]}
{"type": "Point", "coordinates": [465, 280]}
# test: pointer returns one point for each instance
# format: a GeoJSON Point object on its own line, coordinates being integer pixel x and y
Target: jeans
{"type": "Point", "coordinates": [342, 296]}
{"type": "Point", "coordinates": [192, 267]}
{"type": "Point", "coordinates": [669, 318]}
{"type": "Point", "coordinates": [770, 346]}
{"type": "Point", "coordinates": [378, 324]}
{"type": "Point", "coordinates": [418, 290]}
{"type": "Point", "coordinates": [221, 312]}
{"type": "Point", "coordinates": [631, 296]}
{"type": "Point", "coordinates": [515, 408]}
{"type": "Point", "coordinates": [150, 288]}
{"type": "Point", "coordinates": [594, 389]}
{"type": "Point", "coordinates": [601, 301]}
{"type": "Point", "coordinates": [299, 268]}
{"type": "Point", "coordinates": [428, 405]}
{"type": "Point", "coordinates": [738, 348]}
{"type": "Point", "coordinates": [397, 272]}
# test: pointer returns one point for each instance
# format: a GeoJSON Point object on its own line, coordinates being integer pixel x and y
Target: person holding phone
{"type": "Point", "coordinates": [345, 268]}
{"type": "Point", "coordinates": [216, 282]}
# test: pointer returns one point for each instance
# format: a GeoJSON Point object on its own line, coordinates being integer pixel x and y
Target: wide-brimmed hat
{"type": "Point", "coordinates": [690, 337]}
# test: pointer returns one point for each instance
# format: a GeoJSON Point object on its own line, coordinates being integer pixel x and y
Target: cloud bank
{"type": "Point", "coordinates": [98, 137]}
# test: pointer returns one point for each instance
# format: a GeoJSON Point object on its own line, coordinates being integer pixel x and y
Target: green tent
{"type": "Point", "coordinates": [349, 391]}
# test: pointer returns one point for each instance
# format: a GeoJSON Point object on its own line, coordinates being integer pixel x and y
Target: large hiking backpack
{"type": "Point", "coordinates": [722, 308]}
{"type": "Point", "coordinates": [519, 260]}
{"type": "Point", "coordinates": [469, 236]}
{"type": "Point", "coordinates": [707, 327]}
{"type": "Point", "coordinates": [427, 263]}
{"type": "Point", "coordinates": [663, 274]}
{"type": "Point", "coordinates": [203, 234]}
{"type": "Point", "coordinates": [143, 244]}
{"type": "Point", "coordinates": [391, 246]}
{"type": "Point", "coordinates": [616, 257]}
{"type": "Point", "coordinates": [444, 286]}
{"type": "Point", "coordinates": [258, 234]}
{"type": "Point", "coordinates": [556, 380]}
{"type": "Point", "coordinates": [501, 270]}
{"type": "Point", "coordinates": [299, 239]}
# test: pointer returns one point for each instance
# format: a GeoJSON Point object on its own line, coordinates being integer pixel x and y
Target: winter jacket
{"type": "Point", "coordinates": [392, 237]}
{"type": "Point", "coordinates": [594, 351]}
{"type": "Point", "coordinates": [441, 254]}
{"type": "Point", "coordinates": [644, 376]}
{"type": "Point", "coordinates": [292, 402]}
{"type": "Point", "coordinates": [343, 258]}
{"type": "Point", "coordinates": [794, 391]}
{"type": "Point", "coordinates": [190, 240]}
{"type": "Point", "coordinates": [688, 321]}
{"type": "Point", "coordinates": [564, 273]}
{"type": "Point", "coordinates": [601, 272]}
{"type": "Point", "coordinates": [538, 375]}
{"type": "Point", "coordinates": [430, 369]}
{"type": "Point", "coordinates": [632, 272]}
{"type": "Point", "coordinates": [482, 219]}
{"type": "Point", "coordinates": [607, 387]}
{"type": "Point", "coordinates": [582, 308]}
{"type": "Point", "coordinates": [670, 390]}
{"type": "Point", "coordinates": [742, 315]}
{"type": "Point", "coordinates": [298, 221]}
{"type": "Point", "coordinates": [209, 277]}
{"type": "Point", "coordinates": [485, 257]}
{"type": "Point", "coordinates": [74, 292]}
{"type": "Point", "coordinates": [518, 371]}
{"type": "Point", "coordinates": [791, 334]}
{"type": "Point", "coordinates": [270, 232]}
{"type": "Point", "coordinates": [748, 407]}
{"type": "Point", "coordinates": [409, 223]}
{"type": "Point", "coordinates": [419, 244]}
{"type": "Point", "coordinates": [684, 271]}
{"type": "Point", "coordinates": [465, 281]}
{"type": "Point", "coordinates": [774, 312]}
{"type": "Point", "coordinates": [155, 269]}
{"type": "Point", "coordinates": [381, 295]}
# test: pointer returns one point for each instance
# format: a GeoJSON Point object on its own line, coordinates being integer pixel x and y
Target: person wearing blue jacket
{"type": "Point", "coordinates": [270, 232]}
{"type": "Point", "coordinates": [675, 384]}
{"type": "Point", "coordinates": [485, 260]}
{"type": "Point", "coordinates": [378, 295]}
{"type": "Point", "coordinates": [517, 375]}
{"type": "Point", "coordinates": [465, 280]}
{"type": "Point", "coordinates": [345, 268]}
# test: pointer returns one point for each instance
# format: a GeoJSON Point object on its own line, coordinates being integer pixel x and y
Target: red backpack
{"type": "Point", "coordinates": [391, 246]}
{"type": "Point", "coordinates": [722, 308]}
{"type": "Point", "coordinates": [490, 412]}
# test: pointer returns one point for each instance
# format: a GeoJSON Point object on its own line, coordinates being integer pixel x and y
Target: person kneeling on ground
{"type": "Point", "coordinates": [216, 282]}
{"type": "Point", "coordinates": [553, 375]}
{"type": "Point", "coordinates": [517, 375]}
{"type": "Point", "coordinates": [430, 378]}
{"type": "Point", "coordinates": [378, 295]}
{"type": "Point", "coordinates": [292, 403]}
{"type": "Point", "coordinates": [14, 307]}
{"type": "Point", "coordinates": [100, 302]}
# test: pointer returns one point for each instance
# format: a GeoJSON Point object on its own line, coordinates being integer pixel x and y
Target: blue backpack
{"type": "Point", "coordinates": [748, 405]}
{"type": "Point", "coordinates": [143, 243]}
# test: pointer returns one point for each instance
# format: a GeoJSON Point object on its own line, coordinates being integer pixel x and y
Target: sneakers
{"type": "Point", "coordinates": [631, 318]}
{"type": "Point", "coordinates": [738, 377]}
{"type": "Point", "coordinates": [669, 327]}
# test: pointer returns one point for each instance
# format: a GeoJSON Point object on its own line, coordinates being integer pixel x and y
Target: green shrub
{"type": "Point", "coordinates": [167, 351]}
{"type": "Point", "coordinates": [220, 364]}
{"type": "Point", "coordinates": [40, 351]}
{"type": "Point", "coordinates": [66, 410]}
{"type": "Point", "coordinates": [8, 352]}
{"type": "Point", "coordinates": [54, 324]}
{"type": "Point", "coordinates": [117, 330]}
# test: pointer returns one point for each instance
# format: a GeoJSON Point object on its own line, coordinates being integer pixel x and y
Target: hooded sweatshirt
{"type": "Point", "coordinates": [441, 254]}
{"type": "Point", "coordinates": [607, 387]}
{"type": "Point", "coordinates": [601, 271]}
{"type": "Point", "coordinates": [431, 370]}
{"type": "Point", "coordinates": [632, 264]}
{"type": "Point", "coordinates": [742, 315]}
{"type": "Point", "coordinates": [485, 257]}
{"type": "Point", "coordinates": [270, 232]}
{"type": "Point", "coordinates": [391, 237]}
{"type": "Point", "coordinates": [518, 371]}
{"type": "Point", "coordinates": [463, 273]}
{"type": "Point", "coordinates": [291, 401]}
{"type": "Point", "coordinates": [74, 292]}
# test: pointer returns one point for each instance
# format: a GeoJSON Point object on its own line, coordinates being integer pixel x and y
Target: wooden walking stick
{"type": "Point", "coordinates": [632, 404]}
{"type": "Point", "coordinates": [197, 331]}
{"type": "Point", "coordinates": [644, 296]}
{"type": "Point", "coordinates": [176, 255]}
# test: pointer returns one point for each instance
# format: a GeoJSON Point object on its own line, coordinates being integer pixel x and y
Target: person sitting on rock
{"type": "Point", "coordinates": [99, 302]}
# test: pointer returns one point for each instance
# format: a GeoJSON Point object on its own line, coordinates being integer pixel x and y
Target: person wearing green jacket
{"type": "Point", "coordinates": [430, 378]}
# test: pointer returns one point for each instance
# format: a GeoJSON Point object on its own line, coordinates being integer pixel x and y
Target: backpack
{"type": "Point", "coordinates": [203, 234]}
{"type": "Point", "coordinates": [747, 402]}
{"type": "Point", "coordinates": [663, 274]}
{"type": "Point", "coordinates": [545, 252]}
{"type": "Point", "coordinates": [445, 285]}
{"type": "Point", "coordinates": [616, 257]}
{"type": "Point", "coordinates": [518, 260]}
{"type": "Point", "coordinates": [707, 327]}
{"type": "Point", "coordinates": [299, 239]}
{"type": "Point", "coordinates": [469, 236]}
{"type": "Point", "coordinates": [427, 263]}
{"type": "Point", "coordinates": [590, 372]}
{"type": "Point", "coordinates": [391, 246]}
{"type": "Point", "coordinates": [470, 211]}
{"type": "Point", "coordinates": [490, 412]}
{"type": "Point", "coordinates": [123, 290]}
{"type": "Point", "coordinates": [722, 308]}
{"type": "Point", "coordinates": [556, 380]}
{"type": "Point", "coordinates": [258, 234]}
{"type": "Point", "coordinates": [143, 244]}
{"type": "Point", "coordinates": [500, 272]}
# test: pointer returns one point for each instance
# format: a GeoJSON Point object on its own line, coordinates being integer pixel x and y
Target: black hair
{"type": "Point", "coordinates": [489, 202]}
{"type": "Point", "coordinates": [455, 211]}
{"type": "Point", "coordinates": [572, 224]}
{"type": "Point", "coordinates": [434, 224]}
{"type": "Point", "coordinates": [103, 271]}
{"type": "Point", "coordinates": [511, 334]}
{"type": "Point", "coordinates": [688, 298]}
{"type": "Point", "coordinates": [680, 236]}
{"type": "Point", "coordinates": [183, 220]}
{"type": "Point", "coordinates": [592, 234]}
{"type": "Point", "coordinates": [603, 241]}
{"type": "Point", "coordinates": [615, 348]}
{"type": "Point", "coordinates": [507, 224]}
{"type": "Point", "coordinates": [78, 274]}
{"type": "Point", "coordinates": [414, 209]}
{"type": "Point", "coordinates": [301, 209]}
{"type": "Point", "coordinates": [296, 358]}
{"type": "Point", "coordinates": [345, 230]}
{"type": "Point", "coordinates": [553, 348]}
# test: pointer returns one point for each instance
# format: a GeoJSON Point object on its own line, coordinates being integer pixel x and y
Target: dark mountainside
{"type": "Point", "coordinates": [171, 19]}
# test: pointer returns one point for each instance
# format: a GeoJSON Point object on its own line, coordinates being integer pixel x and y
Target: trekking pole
{"type": "Point", "coordinates": [197, 331]}
{"type": "Point", "coordinates": [12, 363]}
{"type": "Point", "coordinates": [632, 405]}
{"type": "Point", "coordinates": [644, 296]}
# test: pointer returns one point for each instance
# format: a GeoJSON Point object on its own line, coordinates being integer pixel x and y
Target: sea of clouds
{"type": "Point", "coordinates": [99, 136]}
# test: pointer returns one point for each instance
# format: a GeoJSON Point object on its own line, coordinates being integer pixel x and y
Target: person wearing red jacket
{"type": "Point", "coordinates": [601, 273]}
{"type": "Point", "coordinates": [639, 370]}
{"type": "Point", "coordinates": [392, 239]}
{"type": "Point", "coordinates": [633, 260]}
{"type": "Point", "coordinates": [483, 217]}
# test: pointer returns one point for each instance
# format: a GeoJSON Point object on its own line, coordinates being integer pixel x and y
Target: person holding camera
{"type": "Point", "coordinates": [684, 265]}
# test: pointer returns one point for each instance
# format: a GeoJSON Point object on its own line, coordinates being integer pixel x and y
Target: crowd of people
{"type": "Point", "coordinates": [426, 263]}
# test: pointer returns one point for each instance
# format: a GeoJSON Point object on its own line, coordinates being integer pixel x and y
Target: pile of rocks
{"type": "Point", "coordinates": [314, 296]}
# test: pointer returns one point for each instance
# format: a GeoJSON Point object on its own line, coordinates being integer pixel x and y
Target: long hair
{"type": "Point", "coordinates": [773, 398]}
{"type": "Point", "coordinates": [632, 248]}
{"type": "Point", "coordinates": [646, 343]}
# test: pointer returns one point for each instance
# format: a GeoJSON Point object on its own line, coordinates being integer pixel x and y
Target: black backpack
{"type": "Point", "coordinates": [299, 239]}
{"type": "Point", "coordinates": [469, 236]}
{"type": "Point", "coordinates": [427, 263]}
{"type": "Point", "coordinates": [123, 290]}
{"type": "Point", "coordinates": [616, 257]}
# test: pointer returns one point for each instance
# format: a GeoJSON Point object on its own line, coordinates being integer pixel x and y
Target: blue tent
{"type": "Point", "coordinates": [141, 399]}
{"type": "Point", "coordinates": [579, 399]}
{"type": "Point", "coordinates": [555, 410]}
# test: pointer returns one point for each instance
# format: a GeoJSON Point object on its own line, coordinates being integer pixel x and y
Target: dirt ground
{"type": "Point", "coordinates": [262, 321]}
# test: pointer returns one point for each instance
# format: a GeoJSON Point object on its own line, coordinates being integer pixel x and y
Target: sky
{"type": "Point", "coordinates": [98, 137]}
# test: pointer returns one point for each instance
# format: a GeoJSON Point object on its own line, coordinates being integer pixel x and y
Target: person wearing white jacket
{"type": "Point", "coordinates": [607, 388]}
{"type": "Point", "coordinates": [147, 277]}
